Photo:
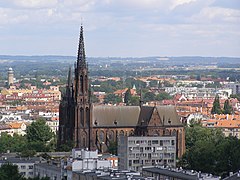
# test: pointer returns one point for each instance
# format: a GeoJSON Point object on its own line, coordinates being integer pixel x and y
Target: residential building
{"type": "Point", "coordinates": [26, 166]}
{"type": "Point", "coordinates": [52, 171]}
{"type": "Point", "coordinates": [137, 151]}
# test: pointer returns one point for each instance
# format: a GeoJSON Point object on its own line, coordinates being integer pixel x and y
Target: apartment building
{"type": "Point", "coordinates": [137, 151]}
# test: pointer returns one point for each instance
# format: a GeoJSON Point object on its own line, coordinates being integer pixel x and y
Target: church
{"type": "Point", "coordinates": [91, 126]}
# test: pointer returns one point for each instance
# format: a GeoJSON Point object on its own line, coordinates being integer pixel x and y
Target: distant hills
{"type": "Point", "coordinates": [156, 59]}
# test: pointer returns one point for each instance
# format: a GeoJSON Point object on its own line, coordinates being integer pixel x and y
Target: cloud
{"type": "Point", "coordinates": [123, 23]}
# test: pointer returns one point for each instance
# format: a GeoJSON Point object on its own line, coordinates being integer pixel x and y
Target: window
{"type": "Point", "coordinates": [23, 167]}
{"type": "Point", "coordinates": [171, 148]}
{"type": "Point", "coordinates": [135, 161]}
{"type": "Point", "coordinates": [161, 143]}
{"type": "Point", "coordinates": [130, 162]}
{"type": "Point", "coordinates": [30, 167]}
{"type": "Point", "coordinates": [155, 142]}
{"type": "Point", "coordinates": [166, 142]}
{"type": "Point", "coordinates": [159, 148]}
{"type": "Point", "coordinates": [30, 173]}
{"type": "Point", "coordinates": [173, 142]}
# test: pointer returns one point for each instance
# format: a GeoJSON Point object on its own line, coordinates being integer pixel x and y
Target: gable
{"type": "Point", "coordinates": [155, 119]}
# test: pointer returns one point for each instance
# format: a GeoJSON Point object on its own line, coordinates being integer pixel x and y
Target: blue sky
{"type": "Point", "coordinates": [121, 27]}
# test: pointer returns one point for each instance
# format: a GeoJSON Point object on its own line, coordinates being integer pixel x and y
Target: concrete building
{"type": "Point", "coordinates": [137, 151]}
{"type": "Point", "coordinates": [10, 76]}
{"type": "Point", "coordinates": [176, 174]}
{"type": "Point", "coordinates": [25, 165]}
{"type": "Point", "coordinates": [48, 170]}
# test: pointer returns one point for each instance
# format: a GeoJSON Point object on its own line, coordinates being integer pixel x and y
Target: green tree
{"type": "Point", "coordinates": [134, 101]}
{"type": "Point", "coordinates": [227, 109]}
{"type": "Point", "coordinates": [10, 172]}
{"type": "Point", "coordinates": [149, 96]}
{"type": "Point", "coordinates": [13, 144]}
{"type": "Point", "coordinates": [112, 98]}
{"type": "Point", "coordinates": [162, 96]}
{"type": "Point", "coordinates": [208, 150]}
{"type": "Point", "coordinates": [127, 97]}
{"type": "Point", "coordinates": [216, 109]}
{"type": "Point", "coordinates": [38, 131]}
{"type": "Point", "coordinates": [94, 99]}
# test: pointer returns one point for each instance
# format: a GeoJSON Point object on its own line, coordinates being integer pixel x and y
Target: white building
{"type": "Point", "coordinates": [84, 160]}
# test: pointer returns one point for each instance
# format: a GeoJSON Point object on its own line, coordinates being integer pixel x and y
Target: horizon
{"type": "Point", "coordinates": [123, 57]}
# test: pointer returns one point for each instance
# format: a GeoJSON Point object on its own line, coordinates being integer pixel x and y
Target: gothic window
{"type": "Point", "coordinates": [87, 116]}
{"type": "Point", "coordinates": [81, 83]}
{"type": "Point", "coordinates": [174, 133]}
{"type": "Point", "coordinates": [82, 116]}
{"type": "Point", "coordinates": [131, 133]}
{"type": "Point", "coordinates": [86, 83]}
{"type": "Point", "coordinates": [84, 138]}
{"type": "Point", "coordinates": [121, 133]}
{"type": "Point", "coordinates": [167, 132]}
{"type": "Point", "coordinates": [111, 136]}
{"type": "Point", "coordinates": [101, 136]}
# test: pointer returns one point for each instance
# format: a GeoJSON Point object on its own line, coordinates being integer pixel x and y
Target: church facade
{"type": "Point", "coordinates": [95, 127]}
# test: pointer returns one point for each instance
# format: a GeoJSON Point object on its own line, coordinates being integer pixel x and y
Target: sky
{"type": "Point", "coordinates": [121, 28]}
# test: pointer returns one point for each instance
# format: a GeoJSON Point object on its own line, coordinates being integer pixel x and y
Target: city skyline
{"type": "Point", "coordinates": [121, 28]}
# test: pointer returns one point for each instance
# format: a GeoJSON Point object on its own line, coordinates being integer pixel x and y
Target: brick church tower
{"type": "Point", "coordinates": [74, 122]}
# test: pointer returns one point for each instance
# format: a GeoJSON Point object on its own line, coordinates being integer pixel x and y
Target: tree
{"type": "Point", "coordinates": [227, 109]}
{"type": "Point", "coordinates": [112, 98]}
{"type": "Point", "coordinates": [162, 96]}
{"type": "Point", "coordinates": [13, 144]}
{"type": "Point", "coordinates": [216, 109]}
{"type": "Point", "coordinates": [39, 132]}
{"type": "Point", "coordinates": [10, 172]}
{"type": "Point", "coordinates": [127, 97]}
{"type": "Point", "coordinates": [149, 96]}
{"type": "Point", "coordinates": [208, 150]}
{"type": "Point", "coordinates": [134, 101]}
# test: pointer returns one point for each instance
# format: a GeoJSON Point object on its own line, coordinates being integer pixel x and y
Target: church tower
{"type": "Point", "coordinates": [74, 110]}
{"type": "Point", "coordinates": [82, 124]}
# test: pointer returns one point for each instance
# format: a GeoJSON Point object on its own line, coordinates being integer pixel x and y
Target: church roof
{"type": "Point", "coordinates": [145, 114]}
{"type": "Point", "coordinates": [127, 116]}
{"type": "Point", "coordinates": [112, 116]}
{"type": "Point", "coordinates": [169, 115]}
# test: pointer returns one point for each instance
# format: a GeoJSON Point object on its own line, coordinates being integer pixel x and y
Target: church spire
{"type": "Point", "coordinates": [81, 59]}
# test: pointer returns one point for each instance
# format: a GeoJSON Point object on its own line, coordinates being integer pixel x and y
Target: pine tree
{"type": "Point", "coordinates": [127, 97]}
{"type": "Point", "coordinates": [227, 109]}
{"type": "Point", "coordinates": [216, 109]}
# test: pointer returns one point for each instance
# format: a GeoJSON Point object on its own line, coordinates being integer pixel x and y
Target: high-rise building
{"type": "Point", "coordinates": [10, 76]}
{"type": "Point", "coordinates": [84, 125]}
{"type": "Point", "coordinates": [135, 152]}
